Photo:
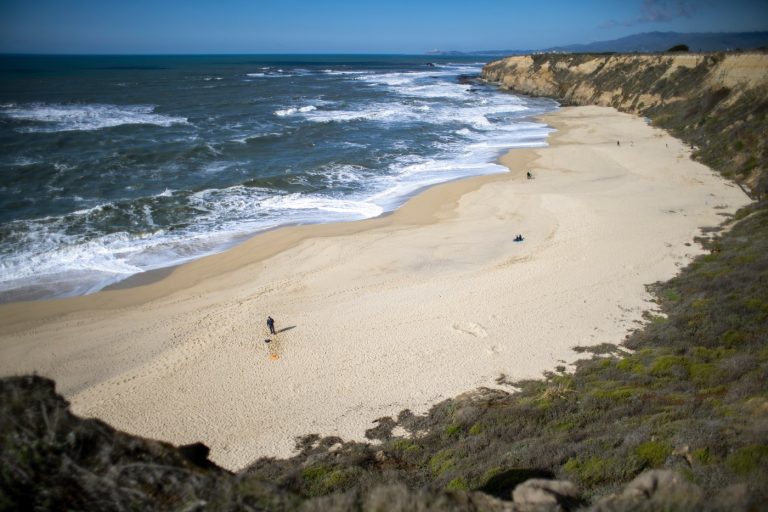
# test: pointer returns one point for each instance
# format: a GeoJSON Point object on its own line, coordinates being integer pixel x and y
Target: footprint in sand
{"type": "Point", "coordinates": [472, 329]}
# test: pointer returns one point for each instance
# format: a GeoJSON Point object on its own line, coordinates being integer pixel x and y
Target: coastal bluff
{"type": "Point", "coordinates": [716, 102]}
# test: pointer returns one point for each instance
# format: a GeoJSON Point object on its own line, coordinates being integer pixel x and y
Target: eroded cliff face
{"type": "Point", "coordinates": [717, 102]}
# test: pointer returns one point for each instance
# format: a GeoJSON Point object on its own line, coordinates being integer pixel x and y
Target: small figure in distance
{"type": "Point", "coordinates": [618, 143]}
{"type": "Point", "coordinates": [519, 238]}
{"type": "Point", "coordinates": [271, 325]}
{"type": "Point", "coordinates": [530, 176]}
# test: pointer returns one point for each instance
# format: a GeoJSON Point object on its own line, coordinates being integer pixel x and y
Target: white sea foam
{"type": "Point", "coordinates": [294, 110]}
{"type": "Point", "coordinates": [342, 72]}
{"type": "Point", "coordinates": [255, 136]}
{"type": "Point", "coordinates": [427, 92]}
{"type": "Point", "coordinates": [239, 205]}
{"type": "Point", "coordinates": [434, 83]}
{"type": "Point", "coordinates": [62, 167]}
{"type": "Point", "coordinates": [24, 161]}
{"type": "Point", "coordinates": [278, 73]}
{"type": "Point", "coordinates": [439, 90]}
{"type": "Point", "coordinates": [74, 264]}
{"type": "Point", "coordinates": [390, 112]}
{"type": "Point", "coordinates": [336, 175]}
{"type": "Point", "coordinates": [215, 167]}
{"type": "Point", "coordinates": [408, 178]}
{"type": "Point", "coordinates": [383, 112]}
{"type": "Point", "coordinates": [400, 78]}
{"type": "Point", "coordinates": [55, 253]}
{"type": "Point", "coordinates": [54, 117]}
{"type": "Point", "coordinates": [348, 208]}
{"type": "Point", "coordinates": [409, 173]}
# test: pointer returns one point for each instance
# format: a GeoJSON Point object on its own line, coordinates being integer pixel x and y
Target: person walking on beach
{"type": "Point", "coordinates": [271, 325]}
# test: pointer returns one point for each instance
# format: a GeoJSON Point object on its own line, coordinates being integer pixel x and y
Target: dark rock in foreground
{"type": "Point", "coordinates": [53, 460]}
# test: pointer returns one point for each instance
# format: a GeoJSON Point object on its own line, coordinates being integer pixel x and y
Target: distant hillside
{"type": "Point", "coordinates": [646, 42]}
{"type": "Point", "coordinates": [479, 53]}
{"type": "Point", "coordinates": [661, 41]}
{"type": "Point", "coordinates": [717, 102]}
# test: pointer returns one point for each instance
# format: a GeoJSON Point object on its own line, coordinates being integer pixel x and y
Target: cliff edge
{"type": "Point", "coordinates": [717, 102]}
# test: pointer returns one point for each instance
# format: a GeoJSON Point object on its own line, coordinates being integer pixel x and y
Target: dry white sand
{"type": "Point", "coordinates": [391, 313]}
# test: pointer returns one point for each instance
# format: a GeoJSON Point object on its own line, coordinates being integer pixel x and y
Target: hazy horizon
{"type": "Point", "coordinates": [237, 27]}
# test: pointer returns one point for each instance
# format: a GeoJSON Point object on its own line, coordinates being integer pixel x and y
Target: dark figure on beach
{"type": "Point", "coordinates": [519, 238]}
{"type": "Point", "coordinates": [530, 176]}
{"type": "Point", "coordinates": [271, 325]}
{"type": "Point", "coordinates": [618, 143]}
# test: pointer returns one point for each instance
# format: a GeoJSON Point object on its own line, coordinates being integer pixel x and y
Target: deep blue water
{"type": "Point", "coordinates": [110, 166]}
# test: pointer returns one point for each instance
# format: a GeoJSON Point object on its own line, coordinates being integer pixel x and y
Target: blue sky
{"type": "Point", "coordinates": [351, 26]}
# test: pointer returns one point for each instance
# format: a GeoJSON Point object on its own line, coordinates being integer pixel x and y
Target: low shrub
{"type": "Point", "coordinates": [653, 453]}
{"type": "Point", "coordinates": [749, 459]}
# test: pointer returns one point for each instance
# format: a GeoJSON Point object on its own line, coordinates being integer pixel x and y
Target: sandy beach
{"type": "Point", "coordinates": [391, 313]}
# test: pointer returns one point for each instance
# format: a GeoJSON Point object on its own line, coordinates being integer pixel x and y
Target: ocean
{"type": "Point", "coordinates": [115, 165]}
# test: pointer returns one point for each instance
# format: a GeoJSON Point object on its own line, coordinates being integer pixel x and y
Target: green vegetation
{"type": "Point", "coordinates": [749, 459]}
{"type": "Point", "coordinates": [653, 453]}
{"type": "Point", "coordinates": [321, 479]}
{"type": "Point", "coordinates": [457, 484]}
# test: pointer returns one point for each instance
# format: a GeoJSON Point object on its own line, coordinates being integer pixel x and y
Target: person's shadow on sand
{"type": "Point", "coordinates": [286, 329]}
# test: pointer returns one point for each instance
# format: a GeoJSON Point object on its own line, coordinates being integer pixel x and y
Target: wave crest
{"type": "Point", "coordinates": [53, 117]}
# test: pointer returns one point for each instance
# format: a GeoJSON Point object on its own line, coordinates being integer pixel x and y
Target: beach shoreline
{"type": "Point", "coordinates": [154, 275]}
{"type": "Point", "coordinates": [416, 209]}
{"type": "Point", "coordinates": [390, 313]}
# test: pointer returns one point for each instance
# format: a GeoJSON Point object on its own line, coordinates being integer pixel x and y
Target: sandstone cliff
{"type": "Point", "coordinates": [717, 102]}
